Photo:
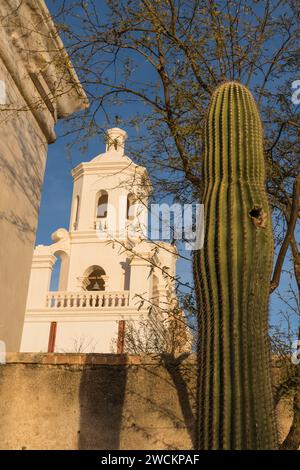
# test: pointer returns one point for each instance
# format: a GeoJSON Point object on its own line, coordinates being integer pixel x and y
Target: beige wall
{"type": "Point", "coordinates": [32, 105]}
{"type": "Point", "coordinates": [97, 401]}
{"type": "Point", "coordinates": [23, 151]}
{"type": "Point", "coordinates": [101, 405]}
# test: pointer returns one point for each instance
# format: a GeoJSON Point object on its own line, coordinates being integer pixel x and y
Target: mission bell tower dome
{"type": "Point", "coordinates": [110, 271]}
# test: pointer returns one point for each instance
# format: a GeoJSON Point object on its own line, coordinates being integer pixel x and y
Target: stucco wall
{"type": "Point", "coordinates": [78, 401]}
{"type": "Point", "coordinates": [36, 75]}
{"type": "Point", "coordinates": [23, 150]}
{"type": "Point", "coordinates": [94, 402]}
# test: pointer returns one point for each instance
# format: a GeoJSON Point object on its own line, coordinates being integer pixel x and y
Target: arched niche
{"type": "Point", "coordinates": [94, 279]}
{"type": "Point", "coordinates": [76, 213]}
{"type": "Point", "coordinates": [131, 206]}
{"type": "Point", "coordinates": [101, 204]}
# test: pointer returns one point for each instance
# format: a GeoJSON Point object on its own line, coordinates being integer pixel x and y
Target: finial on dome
{"type": "Point", "coordinates": [115, 140]}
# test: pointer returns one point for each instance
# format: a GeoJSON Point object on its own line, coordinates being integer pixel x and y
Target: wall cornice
{"type": "Point", "coordinates": [38, 63]}
{"type": "Point", "coordinates": [93, 359]}
{"type": "Point", "coordinates": [43, 261]}
{"type": "Point", "coordinates": [107, 167]}
{"type": "Point", "coordinates": [85, 315]}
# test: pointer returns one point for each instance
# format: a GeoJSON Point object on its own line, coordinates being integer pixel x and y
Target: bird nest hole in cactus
{"type": "Point", "coordinates": [258, 216]}
{"type": "Point", "coordinates": [255, 212]}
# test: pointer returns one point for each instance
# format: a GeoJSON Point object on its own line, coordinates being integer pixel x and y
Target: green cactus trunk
{"type": "Point", "coordinates": [232, 278]}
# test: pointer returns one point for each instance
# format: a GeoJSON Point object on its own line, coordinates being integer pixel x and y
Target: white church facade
{"type": "Point", "coordinates": [111, 274]}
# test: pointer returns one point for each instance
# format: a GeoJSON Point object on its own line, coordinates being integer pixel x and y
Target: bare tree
{"type": "Point", "coordinates": [162, 59]}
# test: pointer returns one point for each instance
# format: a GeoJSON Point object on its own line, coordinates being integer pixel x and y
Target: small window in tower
{"type": "Point", "coordinates": [102, 205]}
{"type": "Point", "coordinates": [131, 200]}
{"type": "Point", "coordinates": [75, 225]}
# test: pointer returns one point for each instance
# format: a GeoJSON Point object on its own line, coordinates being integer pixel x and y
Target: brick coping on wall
{"type": "Point", "coordinates": [89, 359]}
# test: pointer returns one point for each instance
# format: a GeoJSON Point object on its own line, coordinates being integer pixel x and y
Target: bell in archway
{"type": "Point", "coordinates": [96, 286]}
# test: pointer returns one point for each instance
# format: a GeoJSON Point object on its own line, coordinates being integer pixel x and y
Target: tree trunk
{"type": "Point", "coordinates": [292, 440]}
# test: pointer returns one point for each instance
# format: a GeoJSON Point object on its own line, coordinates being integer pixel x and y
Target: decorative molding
{"type": "Point", "coordinates": [38, 63]}
{"type": "Point", "coordinates": [41, 261]}
{"type": "Point", "coordinates": [104, 164]}
{"type": "Point", "coordinates": [84, 315]}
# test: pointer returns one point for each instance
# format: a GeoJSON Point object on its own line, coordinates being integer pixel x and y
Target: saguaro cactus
{"type": "Point", "coordinates": [232, 276]}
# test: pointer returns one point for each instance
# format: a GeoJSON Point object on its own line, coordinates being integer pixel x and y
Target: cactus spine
{"type": "Point", "coordinates": [232, 278]}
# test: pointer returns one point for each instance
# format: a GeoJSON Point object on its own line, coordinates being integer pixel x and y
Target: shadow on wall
{"type": "Point", "coordinates": [182, 380]}
{"type": "Point", "coordinates": [102, 392]}
{"type": "Point", "coordinates": [23, 170]}
{"type": "Point", "coordinates": [22, 160]}
{"type": "Point", "coordinates": [158, 412]}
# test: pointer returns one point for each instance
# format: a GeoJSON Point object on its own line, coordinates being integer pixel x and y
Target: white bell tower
{"type": "Point", "coordinates": [106, 261]}
{"type": "Point", "coordinates": [110, 192]}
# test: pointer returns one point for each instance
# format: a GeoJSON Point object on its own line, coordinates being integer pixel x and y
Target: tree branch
{"type": "Point", "coordinates": [288, 236]}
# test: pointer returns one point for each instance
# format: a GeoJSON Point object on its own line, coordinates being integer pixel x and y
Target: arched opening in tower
{"type": "Point", "coordinates": [94, 280]}
{"type": "Point", "coordinates": [102, 202]}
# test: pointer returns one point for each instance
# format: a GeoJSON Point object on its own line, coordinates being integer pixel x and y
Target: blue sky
{"type": "Point", "coordinates": [57, 190]}
{"type": "Point", "coordinates": [56, 203]}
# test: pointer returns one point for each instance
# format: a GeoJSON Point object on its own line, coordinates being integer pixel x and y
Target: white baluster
{"type": "Point", "coordinates": [87, 299]}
